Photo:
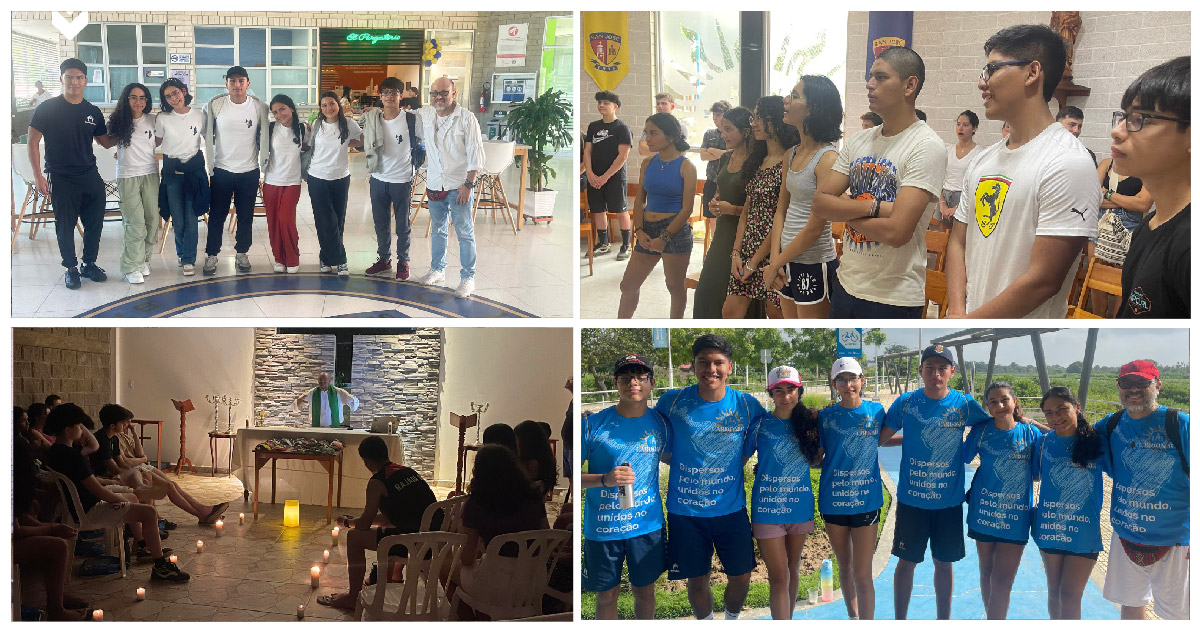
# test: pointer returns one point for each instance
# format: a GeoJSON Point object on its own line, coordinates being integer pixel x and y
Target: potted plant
{"type": "Point", "coordinates": [543, 123]}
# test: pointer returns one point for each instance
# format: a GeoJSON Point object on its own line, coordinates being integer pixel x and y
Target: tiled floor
{"type": "Point", "coordinates": [530, 271]}
{"type": "Point", "coordinates": [600, 294]}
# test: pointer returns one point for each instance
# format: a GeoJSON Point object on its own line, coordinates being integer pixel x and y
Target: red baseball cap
{"type": "Point", "coordinates": [1142, 368]}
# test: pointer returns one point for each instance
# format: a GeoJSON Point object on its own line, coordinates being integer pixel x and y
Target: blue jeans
{"type": "Point", "coordinates": [440, 212]}
{"type": "Point", "coordinates": [386, 199]}
{"type": "Point", "coordinates": [183, 219]}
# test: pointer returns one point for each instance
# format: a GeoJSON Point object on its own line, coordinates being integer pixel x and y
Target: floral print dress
{"type": "Point", "coordinates": [762, 198]}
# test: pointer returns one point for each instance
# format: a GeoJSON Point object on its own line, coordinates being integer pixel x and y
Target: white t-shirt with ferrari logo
{"type": "Point", "coordinates": [1047, 187]}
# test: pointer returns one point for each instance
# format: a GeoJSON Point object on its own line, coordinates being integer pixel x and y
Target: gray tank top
{"type": "Point", "coordinates": [801, 185]}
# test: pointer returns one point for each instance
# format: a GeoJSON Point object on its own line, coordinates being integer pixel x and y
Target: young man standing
{"type": "Point", "coordinates": [706, 496]}
{"type": "Point", "coordinates": [605, 151]}
{"type": "Point", "coordinates": [929, 497]}
{"type": "Point", "coordinates": [622, 446]}
{"type": "Point", "coordinates": [1071, 118]}
{"type": "Point", "coordinates": [894, 173]}
{"type": "Point", "coordinates": [1148, 446]}
{"type": "Point", "coordinates": [68, 124]}
{"type": "Point", "coordinates": [388, 139]}
{"type": "Point", "coordinates": [238, 126]}
{"type": "Point", "coordinates": [1030, 201]}
{"type": "Point", "coordinates": [663, 104]}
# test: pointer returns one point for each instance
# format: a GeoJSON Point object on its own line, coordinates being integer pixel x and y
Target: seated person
{"type": "Point", "coordinates": [501, 434]}
{"type": "Point", "coordinates": [396, 494]}
{"type": "Point", "coordinates": [102, 507]}
{"type": "Point", "coordinates": [37, 423]}
{"type": "Point", "coordinates": [533, 450]}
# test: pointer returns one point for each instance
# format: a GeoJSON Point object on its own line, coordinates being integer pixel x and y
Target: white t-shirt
{"type": "Point", "coordinates": [237, 130]}
{"type": "Point", "coordinates": [182, 134]}
{"type": "Point", "coordinates": [37, 99]}
{"type": "Point", "coordinates": [138, 158]}
{"type": "Point", "coordinates": [879, 167]}
{"type": "Point", "coordinates": [1047, 187]}
{"type": "Point", "coordinates": [284, 167]}
{"type": "Point", "coordinates": [956, 168]}
{"type": "Point", "coordinates": [395, 156]}
{"type": "Point", "coordinates": [330, 160]}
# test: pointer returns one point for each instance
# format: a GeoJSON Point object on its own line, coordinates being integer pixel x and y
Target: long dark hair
{"type": "Point", "coordinates": [297, 128]}
{"type": "Point", "coordinates": [740, 117]}
{"type": "Point", "coordinates": [824, 119]}
{"type": "Point", "coordinates": [533, 445]}
{"type": "Point", "coordinates": [498, 482]}
{"type": "Point", "coordinates": [1087, 442]}
{"type": "Point", "coordinates": [805, 426]}
{"type": "Point", "coordinates": [770, 112]}
{"type": "Point", "coordinates": [671, 129]}
{"type": "Point", "coordinates": [343, 127]}
{"type": "Point", "coordinates": [1018, 413]}
{"type": "Point", "coordinates": [173, 82]}
{"type": "Point", "coordinates": [120, 122]}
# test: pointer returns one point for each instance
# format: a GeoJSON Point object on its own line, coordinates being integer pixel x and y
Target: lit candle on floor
{"type": "Point", "coordinates": [199, 546]}
{"type": "Point", "coordinates": [336, 530]}
{"type": "Point", "coordinates": [325, 555]}
{"type": "Point", "coordinates": [174, 558]}
{"type": "Point", "coordinates": [242, 518]}
{"type": "Point", "coordinates": [220, 525]}
{"type": "Point", "coordinates": [300, 611]}
{"type": "Point", "coordinates": [316, 576]}
{"type": "Point", "coordinates": [97, 615]}
{"type": "Point", "coordinates": [141, 594]}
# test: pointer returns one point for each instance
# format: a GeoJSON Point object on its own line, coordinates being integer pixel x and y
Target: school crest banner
{"type": "Point", "coordinates": [606, 43]}
{"type": "Point", "coordinates": [884, 30]}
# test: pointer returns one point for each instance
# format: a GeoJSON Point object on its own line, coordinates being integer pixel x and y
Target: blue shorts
{"type": "Point", "coordinates": [842, 305]}
{"type": "Point", "coordinates": [692, 539]}
{"type": "Point", "coordinates": [602, 559]}
{"type": "Point", "coordinates": [978, 536]}
{"type": "Point", "coordinates": [808, 284]}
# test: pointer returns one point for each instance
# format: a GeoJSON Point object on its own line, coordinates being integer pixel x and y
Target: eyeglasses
{"type": "Point", "coordinates": [626, 379]}
{"type": "Point", "coordinates": [437, 93]}
{"type": "Point", "coordinates": [1133, 383]}
{"type": "Point", "coordinates": [1134, 121]}
{"type": "Point", "coordinates": [390, 93]}
{"type": "Point", "coordinates": [991, 68]}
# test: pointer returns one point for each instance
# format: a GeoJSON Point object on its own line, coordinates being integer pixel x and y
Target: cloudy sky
{"type": "Point", "coordinates": [1114, 346]}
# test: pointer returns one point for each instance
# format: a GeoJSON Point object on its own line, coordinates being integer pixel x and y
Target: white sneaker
{"type": "Point", "coordinates": [343, 269]}
{"type": "Point", "coordinates": [326, 268]}
{"type": "Point", "coordinates": [278, 268]}
{"type": "Point", "coordinates": [145, 269]}
{"type": "Point", "coordinates": [189, 270]}
{"type": "Point", "coordinates": [433, 277]}
{"type": "Point", "coordinates": [293, 269]}
{"type": "Point", "coordinates": [134, 277]}
{"type": "Point", "coordinates": [465, 288]}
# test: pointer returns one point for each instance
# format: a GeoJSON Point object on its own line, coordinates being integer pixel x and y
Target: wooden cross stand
{"type": "Point", "coordinates": [183, 407]}
{"type": "Point", "coordinates": [463, 423]}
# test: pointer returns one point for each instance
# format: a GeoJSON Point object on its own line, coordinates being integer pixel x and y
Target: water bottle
{"type": "Point", "coordinates": [625, 493]}
{"type": "Point", "coordinates": [827, 580]}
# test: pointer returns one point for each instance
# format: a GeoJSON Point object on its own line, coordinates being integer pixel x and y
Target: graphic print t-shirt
{"type": "Point", "coordinates": [1068, 510]}
{"type": "Point", "coordinates": [395, 157]}
{"type": "Point", "coordinates": [1150, 502]}
{"type": "Point", "coordinates": [931, 467]}
{"type": "Point", "coordinates": [706, 450]}
{"type": "Point", "coordinates": [606, 139]}
{"type": "Point", "coordinates": [782, 488]}
{"type": "Point", "coordinates": [609, 440]}
{"type": "Point", "coordinates": [1002, 491]}
{"type": "Point", "coordinates": [1156, 278]}
{"type": "Point", "coordinates": [1046, 187]}
{"type": "Point", "coordinates": [182, 134]}
{"type": "Point", "coordinates": [237, 136]}
{"type": "Point", "coordinates": [138, 159]}
{"type": "Point", "coordinates": [68, 130]}
{"type": "Point", "coordinates": [878, 167]}
{"type": "Point", "coordinates": [850, 481]}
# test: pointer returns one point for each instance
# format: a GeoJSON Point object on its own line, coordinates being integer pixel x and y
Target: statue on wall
{"type": "Point", "coordinates": [1067, 24]}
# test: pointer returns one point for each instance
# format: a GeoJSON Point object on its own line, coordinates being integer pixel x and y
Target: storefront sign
{"type": "Point", "coordinates": [372, 37]}
{"type": "Point", "coordinates": [511, 42]}
{"type": "Point", "coordinates": [177, 58]}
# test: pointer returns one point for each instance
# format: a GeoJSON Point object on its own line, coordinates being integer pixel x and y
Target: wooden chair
{"type": "Point", "coordinates": [935, 291]}
{"type": "Point", "coordinates": [586, 230]}
{"type": "Point", "coordinates": [698, 214]}
{"type": "Point", "coordinates": [507, 587]}
{"type": "Point", "coordinates": [421, 596]}
{"type": "Point", "coordinates": [1077, 284]}
{"type": "Point", "coordinates": [69, 496]}
{"type": "Point", "coordinates": [1100, 277]}
{"type": "Point", "coordinates": [935, 243]}
{"type": "Point", "coordinates": [497, 156]}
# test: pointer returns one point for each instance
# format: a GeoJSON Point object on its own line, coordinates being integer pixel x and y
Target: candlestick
{"type": "Point", "coordinates": [336, 530]}
{"type": "Point", "coordinates": [141, 594]}
{"type": "Point", "coordinates": [242, 518]}
{"type": "Point", "coordinates": [97, 615]}
{"type": "Point", "coordinates": [325, 555]}
{"type": "Point", "coordinates": [300, 611]}
{"type": "Point", "coordinates": [220, 526]}
{"type": "Point", "coordinates": [174, 558]}
{"type": "Point", "coordinates": [315, 571]}
{"type": "Point", "coordinates": [199, 546]}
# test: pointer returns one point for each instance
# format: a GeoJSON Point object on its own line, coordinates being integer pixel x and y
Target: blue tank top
{"type": "Point", "coordinates": [664, 185]}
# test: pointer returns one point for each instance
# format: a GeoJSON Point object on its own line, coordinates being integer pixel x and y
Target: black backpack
{"type": "Point", "coordinates": [1172, 427]}
{"type": "Point", "coordinates": [417, 151]}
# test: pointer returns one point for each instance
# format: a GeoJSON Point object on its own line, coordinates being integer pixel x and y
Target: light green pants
{"type": "Point", "coordinates": [139, 216]}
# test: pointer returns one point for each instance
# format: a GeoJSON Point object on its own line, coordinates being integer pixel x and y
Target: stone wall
{"type": "Point", "coordinates": [392, 375]}
{"type": "Point", "coordinates": [75, 363]}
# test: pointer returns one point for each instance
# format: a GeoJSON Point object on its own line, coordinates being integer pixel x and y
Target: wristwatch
{"type": "Point", "coordinates": [470, 183]}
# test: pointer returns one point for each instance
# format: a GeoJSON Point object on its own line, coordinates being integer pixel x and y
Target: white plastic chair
{"type": "Point", "coordinates": [70, 497]}
{"type": "Point", "coordinates": [451, 510]}
{"type": "Point", "coordinates": [36, 207]}
{"type": "Point", "coordinates": [420, 597]}
{"type": "Point", "coordinates": [512, 587]}
{"type": "Point", "coordinates": [497, 156]}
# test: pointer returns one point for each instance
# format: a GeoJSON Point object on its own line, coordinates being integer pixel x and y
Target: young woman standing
{"type": "Point", "coordinates": [958, 155]}
{"type": "Point", "coordinates": [281, 182]}
{"type": "Point", "coordinates": [131, 128]}
{"type": "Point", "coordinates": [179, 130]}
{"type": "Point", "coordinates": [329, 179]}
{"type": "Point", "coordinates": [660, 217]}
{"type": "Point", "coordinates": [727, 205]}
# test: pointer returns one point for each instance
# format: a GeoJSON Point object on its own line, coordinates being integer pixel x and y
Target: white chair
{"type": "Point", "coordinates": [106, 164]}
{"type": "Point", "coordinates": [79, 520]}
{"type": "Point", "coordinates": [35, 208]}
{"type": "Point", "coordinates": [420, 178]}
{"type": "Point", "coordinates": [451, 510]}
{"type": "Point", "coordinates": [511, 587]}
{"type": "Point", "coordinates": [497, 156]}
{"type": "Point", "coordinates": [421, 596]}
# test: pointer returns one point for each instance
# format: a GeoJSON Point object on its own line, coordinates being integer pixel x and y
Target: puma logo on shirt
{"type": "Point", "coordinates": [1082, 213]}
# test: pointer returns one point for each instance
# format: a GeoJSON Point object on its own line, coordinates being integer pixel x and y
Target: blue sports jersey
{"type": "Point", "coordinates": [931, 466]}
{"type": "Point", "coordinates": [782, 486]}
{"type": "Point", "coordinates": [706, 450]}
{"type": "Point", "coordinates": [1150, 503]}
{"type": "Point", "coordinates": [1068, 510]}
{"type": "Point", "coordinates": [850, 482]}
{"type": "Point", "coordinates": [610, 439]}
{"type": "Point", "coordinates": [1002, 491]}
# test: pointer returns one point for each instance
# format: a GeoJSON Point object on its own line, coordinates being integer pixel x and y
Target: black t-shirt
{"type": "Point", "coordinates": [69, 130]}
{"type": "Point", "coordinates": [407, 496]}
{"type": "Point", "coordinates": [606, 139]}
{"type": "Point", "coordinates": [109, 449]}
{"type": "Point", "coordinates": [1156, 278]}
{"type": "Point", "coordinates": [72, 464]}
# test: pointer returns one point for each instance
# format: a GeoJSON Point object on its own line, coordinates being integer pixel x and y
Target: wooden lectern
{"type": "Point", "coordinates": [463, 423]}
{"type": "Point", "coordinates": [183, 406]}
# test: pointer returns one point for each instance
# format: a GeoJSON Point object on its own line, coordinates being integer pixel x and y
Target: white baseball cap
{"type": "Point", "coordinates": [783, 374]}
{"type": "Point", "coordinates": [845, 364]}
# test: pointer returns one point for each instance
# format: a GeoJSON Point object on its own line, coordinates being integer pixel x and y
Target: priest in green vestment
{"type": "Point", "coordinates": [325, 402]}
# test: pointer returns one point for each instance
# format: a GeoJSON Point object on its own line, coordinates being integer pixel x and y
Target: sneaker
{"type": "Point", "coordinates": [146, 269]}
{"type": "Point", "coordinates": [210, 265]}
{"type": "Point", "coordinates": [601, 248]}
{"type": "Point", "coordinates": [343, 269]}
{"type": "Point", "coordinates": [168, 571]}
{"type": "Point", "coordinates": [379, 268]}
{"type": "Point", "coordinates": [92, 272]}
{"type": "Point", "coordinates": [293, 269]}
{"type": "Point", "coordinates": [242, 261]}
{"type": "Point", "coordinates": [142, 555]}
{"type": "Point", "coordinates": [465, 288]}
{"type": "Point", "coordinates": [326, 268]}
{"type": "Point", "coordinates": [180, 262]}
{"type": "Point", "coordinates": [623, 254]}
{"type": "Point", "coordinates": [278, 268]}
{"type": "Point", "coordinates": [134, 277]}
{"type": "Point", "coordinates": [165, 524]}
{"type": "Point", "coordinates": [71, 278]}
{"type": "Point", "coordinates": [433, 277]}
{"type": "Point", "coordinates": [189, 270]}
{"type": "Point", "coordinates": [402, 271]}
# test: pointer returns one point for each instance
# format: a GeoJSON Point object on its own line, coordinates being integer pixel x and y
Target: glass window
{"type": "Point", "coordinates": [90, 33]}
{"type": "Point", "coordinates": [560, 31]}
{"type": "Point", "coordinates": [285, 58]}
{"type": "Point", "coordinates": [452, 40]}
{"type": "Point", "coordinates": [455, 62]}
{"type": "Point", "coordinates": [252, 47]}
{"type": "Point", "coordinates": [258, 79]}
{"type": "Point", "coordinates": [154, 54]}
{"type": "Point", "coordinates": [558, 55]}
{"type": "Point", "coordinates": [91, 55]}
{"type": "Point", "coordinates": [154, 34]}
{"type": "Point", "coordinates": [122, 44]}
{"type": "Point", "coordinates": [210, 76]}
{"type": "Point", "coordinates": [205, 94]}
{"type": "Point", "coordinates": [209, 36]}
{"type": "Point", "coordinates": [702, 47]}
{"type": "Point", "coordinates": [94, 93]}
{"type": "Point", "coordinates": [289, 37]}
{"type": "Point", "coordinates": [214, 57]}
{"type": "Point", "coordinates": [806, 43]}
{"type": "Point", "coordinates": [289, 57]}
{"type": "Point", "coordinates": [153, 76]}
{"type": "Point", "coordinates": [289, 77]}
{"type": "Point", "coordinates": [299, 95]}
{"type": "Point", "coordinates": [119, 77]}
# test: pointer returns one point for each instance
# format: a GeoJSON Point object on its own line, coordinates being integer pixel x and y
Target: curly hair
{"type": "Point", "coordinates": [1087, 443]}
{"type": "Point", "coordinates": [120, 122]}
{"type": "Point", "coordinates": [769, 110]}
{"type": "Point", "coordinates": [343, 126]}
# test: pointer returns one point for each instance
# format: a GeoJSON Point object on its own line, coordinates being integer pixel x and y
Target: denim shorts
{"type": "Point", "coordinates": [681, 243]}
